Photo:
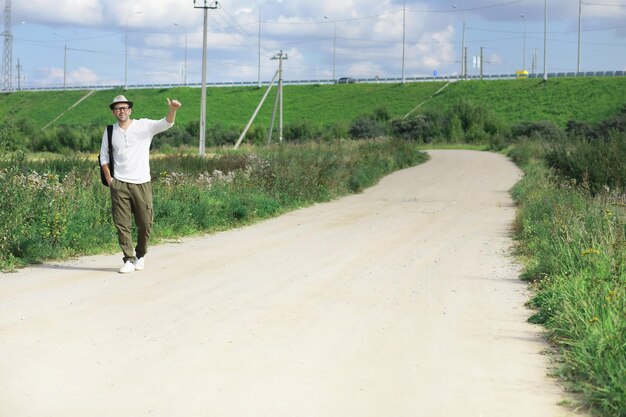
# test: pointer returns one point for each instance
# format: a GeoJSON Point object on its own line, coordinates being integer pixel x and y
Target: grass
{"type": "Point", "coordinates": [513, 101]}
{"type": "Point", "coordinates": [57, 208]}
{"type": "Point", "coordinates": [573, 244]}
{"type": "Point", "coordinates": [229, 106]}
{"type": "Point", "coordinates": [558, 100]}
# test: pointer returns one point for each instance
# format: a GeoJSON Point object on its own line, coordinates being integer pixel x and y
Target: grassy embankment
{"type": "Point", "coordinates": [560, 100]}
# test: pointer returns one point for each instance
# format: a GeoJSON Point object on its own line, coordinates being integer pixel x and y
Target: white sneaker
{"type": "Point", "coordinates": [139, 264]}
{"type": "Point", "coordinates": [127, 267]}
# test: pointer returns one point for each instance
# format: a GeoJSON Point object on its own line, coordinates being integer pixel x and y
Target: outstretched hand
{"type": "Point", "coordinates": [174, 104]}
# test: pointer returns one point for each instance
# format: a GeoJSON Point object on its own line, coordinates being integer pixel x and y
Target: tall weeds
{"type": "Point", "coordinates": [574, 244]}
{"type": "Point", "coordinates": [58, 208]}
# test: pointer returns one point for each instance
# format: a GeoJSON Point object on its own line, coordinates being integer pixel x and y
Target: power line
{"type": "Point", "coordinates": [604, 4]}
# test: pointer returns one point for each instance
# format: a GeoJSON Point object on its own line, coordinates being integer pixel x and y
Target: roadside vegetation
{"type": "Point", "coordinates": [571, 231]}
{"type": "Point", "coordinates": [569, 137]}
{"type": "Point", "coordinates": [56, 207]}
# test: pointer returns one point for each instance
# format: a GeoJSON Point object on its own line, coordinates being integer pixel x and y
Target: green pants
{"type": "Point", "coordinates": [129, 200]}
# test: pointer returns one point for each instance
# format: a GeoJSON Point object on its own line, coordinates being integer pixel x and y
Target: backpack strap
{"type": "Point", "coordinates": [110, 137]}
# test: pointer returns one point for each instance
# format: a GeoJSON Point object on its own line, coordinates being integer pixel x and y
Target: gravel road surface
{"type": "Point", "coordinates": [402, 301]}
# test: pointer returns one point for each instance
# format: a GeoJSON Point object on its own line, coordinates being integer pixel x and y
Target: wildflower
{"type": "Point", "coordinates": [611, 295]}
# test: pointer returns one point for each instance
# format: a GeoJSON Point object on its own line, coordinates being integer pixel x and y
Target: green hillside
{"type": "Point", "coordinates": [558, 100]}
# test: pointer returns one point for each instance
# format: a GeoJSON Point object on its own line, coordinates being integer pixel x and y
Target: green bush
{"type": "Point", "coordinates": [462, 122]}
{"type": "Point", "coordinates": [367, 127]}
{"type": "Point", "coordinates": [454, 129]}
{"type": "Point", "coordinates": [615, 123]}
{"type": "Point", "coordinates": [175, 137]}
{"type": "Point", "coordinates": [382, 114]}
{"type": "Point", "coordinates": [299, 131]}
{"type": "Point", "coordinates": [422, 128]}
{"type": "Point", "coordinates": [543, 130]}
{"type": "Point", "coordinates": [576, 129]}
{"type": "Point", "coordinates": [598, 164]}
{"type": "Point", "coordinates": [219, 135]}
{"type": "Point", "coordinates": [12, 138]}
{"type": "Point", "coordinates": [67, 139]}
{"type": "Point", "coordinates": [333, 131]}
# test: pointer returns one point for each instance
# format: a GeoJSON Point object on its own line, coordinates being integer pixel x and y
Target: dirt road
{"type": "Point", "coordinates": [402, 301]}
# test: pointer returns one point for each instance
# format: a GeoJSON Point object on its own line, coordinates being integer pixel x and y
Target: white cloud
{"type": "Point", "coordinates": [82, 76]}
{"type": "Point", "coordinates": [60, 12]}
{"type": "Point", "coordinates": [495, 59]}
{"type": "Point", "coordinates": [435, 50]}
{"type": "Point", "coordinates": [605, 10]}
{"type": "Point", "coordinates": [365, 69]}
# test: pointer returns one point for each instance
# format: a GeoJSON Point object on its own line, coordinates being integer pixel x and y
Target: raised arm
{"type": "Point", "coordinates": [174, 105]}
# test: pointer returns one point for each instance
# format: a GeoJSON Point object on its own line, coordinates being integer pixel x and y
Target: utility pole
{"type": "Point", "coordinates": [524, 44]}
{"type": "Point", "coordinates": [465, 62]}
{"type": "Point", "coordinates": [7, 58]}
{"type": "Point", "coordinates": [545, 39]}
{"type": "Point", "coordinates": [334, 43]}
{"type": "Point", "coordinates": [463, 49]}
{"type": "Point", "coordinates": [481, 62]}
{"type": "Point", "coordinates": [580, 13]}
{"type": "Point", "coordinates": [259, 46]}
{"type": "Point", "coordinates": [19, 75]}
{"type": "Point", "coordinates": [64, 59]}
{"type": "Point", "coordinates": [206, 5]}
{"type": "Point", "coordinates": [403, 35]}
{"type": "Point", "coordinates": [259, 52]}
{"type": "Point", "coordinates": [185, 69]}
{"type": "Point", "coordinates": [279, 99]}
{"type": "Point", "coordinates": [126, 50]}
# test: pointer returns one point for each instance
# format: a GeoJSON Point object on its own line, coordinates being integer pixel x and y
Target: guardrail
{"type": "Point", "coordinates": [618, 73]}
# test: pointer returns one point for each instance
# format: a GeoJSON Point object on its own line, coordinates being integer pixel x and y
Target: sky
{"type": "Point", "coordinates": [105, 42]}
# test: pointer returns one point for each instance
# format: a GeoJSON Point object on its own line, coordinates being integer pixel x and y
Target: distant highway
{"type": "Point", "coordinates": [619, 73]}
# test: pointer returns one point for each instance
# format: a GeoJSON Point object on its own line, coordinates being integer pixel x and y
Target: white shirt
{"type": "Point", "coordinates": [131, 149]}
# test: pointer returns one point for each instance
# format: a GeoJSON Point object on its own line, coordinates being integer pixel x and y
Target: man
{"type": "Point", "coordinates": [131, 189]}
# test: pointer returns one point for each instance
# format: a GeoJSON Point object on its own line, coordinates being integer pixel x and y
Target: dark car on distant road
{"type": "Point", "coordinates": [346, 80]}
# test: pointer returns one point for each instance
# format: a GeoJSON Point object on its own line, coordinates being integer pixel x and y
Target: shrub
{"type": "Point", "coordinates": [333, 131]}
{"type": "Point", "coordinates": [11, 138]}
{"type": "Point", "coordinates": [526, 150]}
{"type": "Point", "coordinates": [366, 127]}
{"type": "Point", "coordinates": [575, 129]}
{"type": "Point", "coordinates": [597, 165]}
{"type": "Point", "coordinates": [454, 129]}
{"type": "Point", "coordinates": [174, 137]}
{"type": "Point", "coordinates": [299, 131]}
{"type": "Point", "coordinates": [616, 123]}
{"type": "Point", "coordinates": [419, 127]}
{"type": "Point", "coordinates": [65, 139]}
{"type": "Point", "coordinates": [216, 134]}
{"type": "Point", "coordinates": [381, 114]}
{"type": "Point", "coordinates": [545, 130]}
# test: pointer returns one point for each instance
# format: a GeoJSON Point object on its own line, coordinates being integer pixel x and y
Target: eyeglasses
{"type": "Point", "coordinates": [121, 109]}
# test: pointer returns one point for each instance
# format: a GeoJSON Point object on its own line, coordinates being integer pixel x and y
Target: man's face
{"type": "Point", "coordinates": [122, 111]}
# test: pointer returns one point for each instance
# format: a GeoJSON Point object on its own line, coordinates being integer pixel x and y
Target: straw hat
{"type": "Point", "coordinates": [120, 99]}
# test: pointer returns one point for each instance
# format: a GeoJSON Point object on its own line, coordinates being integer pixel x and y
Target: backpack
{"type": "Point", "coordinates": [102, 177]}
